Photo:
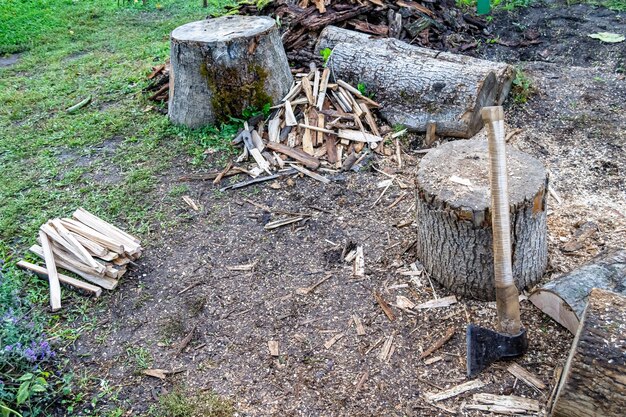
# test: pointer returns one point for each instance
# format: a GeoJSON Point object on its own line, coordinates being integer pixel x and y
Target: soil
{"type": "Point", "coordinates": [185, 281]}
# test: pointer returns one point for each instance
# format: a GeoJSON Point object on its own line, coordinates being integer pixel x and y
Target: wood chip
{"type": "Point", "coordinates": [454, 391]}
{"type": "Point", "coordinates": [272, 345]}
{"type": "Point", "coordinates": [359, 262]}
{"type": "Point", "coordinates": [503, 404]}
{"type": "Point", "coordinates": [385, 306]}
{"type": "Point", "coordinates": [404, 303]}
{"type": "Point", "coordinates": [245, 267]}
{"type": "Point", "coordinates": [282, 222]}
{"type": "Point", "coordinates": [330, 342]}
{"type": "Point", "coordinates": [438, 343]}
{"type": "Point", "coordinates": [432, 360]}
{"type": "Point", "coordinates": [360, 329]}
{"type": "Point", "coordinates": [290, 119]}
{"type": "Point", "coordinates": [191, 203]}
{"type": "Point", "coordinates": [358, 136]}
{"type": "Point", "coordinates": [308, 290]}
{"type": "Point", "coordinates": [438, 302]}
{"type": "Point", "coordinates": [386, 350]}
{"type": "Point", "coordinates": [526, 376]}
{"type": "Point", "coordinates": [311, 174]}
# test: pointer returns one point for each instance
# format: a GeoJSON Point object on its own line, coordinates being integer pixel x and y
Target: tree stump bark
{"type": "Point", "coordinates": [220, 67]}
{"type": "Point", "coordinates": [454, 218]}
{"type": "Point", "coordinates": [416, 85]}
{"type": "Point", "coordinates": [593, 382]}
{"type": "Point", "coordinates": [564, 299]}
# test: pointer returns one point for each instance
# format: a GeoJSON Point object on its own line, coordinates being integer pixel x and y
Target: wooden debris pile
{"type": "Point", "coordinates": [86, 245]}
{"type": "Point", "coordinates": [440, 25]}
{"type": "Point", "coordinates": [319, 125]}
{"type": "Point", "coordinates": [159, 84]}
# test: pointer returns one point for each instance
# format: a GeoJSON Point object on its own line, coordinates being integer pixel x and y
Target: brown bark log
{"type": "Point", "coordinates": [454, 219]}
{"type": "Point", "coordinates": [219, 67]}
{"type": "Point", "coordinates": [593, 382]}
{"type": "Point", "coordinates": [564, 299]}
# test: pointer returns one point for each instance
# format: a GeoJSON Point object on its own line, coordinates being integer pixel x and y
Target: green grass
{"type": "Point", "coordinates": [110, 156]}
{"type": "Point", "coordinates": [179, 403]}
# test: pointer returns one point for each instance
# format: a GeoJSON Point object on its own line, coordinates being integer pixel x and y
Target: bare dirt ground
{"type": "Point", "coordinates": [574, 124]}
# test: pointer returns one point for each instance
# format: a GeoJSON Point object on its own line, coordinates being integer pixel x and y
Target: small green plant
{"type": "Point", "coordinates": [522, 87]}
{"type": "Point", "coordinates": [179, 403]}
{"type": "Point", "coordinates": [325, 53]}
{"type": "Point", "coordinates": [140, 355]}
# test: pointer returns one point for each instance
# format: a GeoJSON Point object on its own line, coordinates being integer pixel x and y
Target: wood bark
{"type": "Point", "coordinates": [564, 299]}
{"type": "Point", "coordinates": [504, 72]}
{"type": "Point", "coordinates": [220, 67]}
{"type": "Point", "coordinates": [417, 86]}
{"type": "Point", "coordinates": [454, 231]}
{"type": "Point", "coordinates": [593, 382]}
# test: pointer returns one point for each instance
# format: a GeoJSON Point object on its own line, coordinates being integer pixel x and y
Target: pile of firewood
{"type": "Point", "coordinates": [317, 125]}
{"type": "Point", "coordinates": [86, 245]}
{"type": "Point", "coordinates": [440, 25]}
{"type": "Point", "coordinates": [159, 84]}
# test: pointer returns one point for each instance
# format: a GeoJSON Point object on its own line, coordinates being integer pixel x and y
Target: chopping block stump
{"type": "Point", "coordinates": [220, 67]}
{"type": "Point", "coordinates": [454, 233]}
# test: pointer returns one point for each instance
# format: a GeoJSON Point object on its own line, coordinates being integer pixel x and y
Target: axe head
{"type": "Point", "coordinates": [485, 346]}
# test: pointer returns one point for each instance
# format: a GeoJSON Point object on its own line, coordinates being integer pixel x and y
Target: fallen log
{"type": "Point", "coordinates": [593, 382]}
{"type": "Point", "coordinates": [219, 67]}
{"type": "Point", "coordinates": [564, 298]}
{"type": "Point", "coordinates": [453, 218]}
{"type": "Point", "coordinates": [417, 86]}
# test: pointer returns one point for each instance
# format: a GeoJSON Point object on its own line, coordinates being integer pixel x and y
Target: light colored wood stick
{"type": "Point", "coordinates": [358, 324]}
{"type": "Point", "coordinates": [51, 269]}
{"type": "Point", "coordinates": [76, 283]}
{"type": "Point", "coordinates": [79, 250]}
{"type": "Point", "coordinates": [317, 128]}
{"type": "Point", "coordinates": [295, 90]}
{"type": "Point", "coordinates": [91, 234]}
{"type": "Point", "coordinates": [63, 255]}
{"type": "Point", "coordinates": [431, 133]}
{"type": "Point", "coordinates": [106, 283]}
{"type": "Point", "coordinates": [438, 302]}
{"type": "Point", "coordinates": [290, 118]}
{"type": "Point", "coordinates": [507, 404]}
{"type": "Point", "coordinates": [330, 342]}
{"type": "Point", "coordinates": [68, 247]}
{"type": "Point", "coordinates": [273, 130]}
{"type": "Point", "coordinates": [454, 391]}
{"type": "Point", "coordinates": [323, 86]}
{"type": "Point", "coordinates": [92, 247]}
{"type": "Point", "coordinates": [257, 141]}
{"type": "Point", "coordinates": [358, 136]}
{"type": "Point", "coordinates": [526, 376]}
{"type": "Point", "coordinates": [311, 174]}
{"type": "Point", "coordinates": [316, 83]}
{"type": "Point", "coordinates": [355, 106]}
{"type": "Point", "coordinates": [369, 118]}
{"type": "Point", "coordinates": [307, 142]}
{"type": "Point", "coordinates": [308, 91]}
{"type": "Point", "coordinates": [110, 226]}
{"type": "Point", "coordinates": [357, 93]}
{"type": "Point", "coordinates": [438, 343]}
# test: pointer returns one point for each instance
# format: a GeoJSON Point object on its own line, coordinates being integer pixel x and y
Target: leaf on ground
{"type": "Point", "coordinates": [607, 37]}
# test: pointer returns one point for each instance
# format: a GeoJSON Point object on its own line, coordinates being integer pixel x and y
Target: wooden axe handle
{"type": "Point", "coordinates": [506, 293]}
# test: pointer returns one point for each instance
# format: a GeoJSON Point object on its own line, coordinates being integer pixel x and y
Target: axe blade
{"type": "Point", "coordinates": [485, 346]}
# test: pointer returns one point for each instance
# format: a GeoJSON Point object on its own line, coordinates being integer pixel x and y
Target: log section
{"type": "Point", "coordinates": [219, 67]}
{"type": "Point", "coordinates": [454, 218]}
{"type": "Point", "coordinates": [593, 382]}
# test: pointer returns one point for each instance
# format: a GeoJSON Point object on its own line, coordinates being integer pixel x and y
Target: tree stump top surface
{"type": "Point", "coordinates": [445, 170]}
{"type": "Point", "coordinates": [223, 29]}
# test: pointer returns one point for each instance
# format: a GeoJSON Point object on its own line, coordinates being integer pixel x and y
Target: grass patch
{"type": "Point", "coordinates": [522, 88]}
{"type": "Point", "coordinates": [179, 403]}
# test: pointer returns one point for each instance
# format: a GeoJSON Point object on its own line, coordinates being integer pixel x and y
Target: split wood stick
{"type": "Point", "coordinates": [104, 228]}
{"type": "Point", "coordinates": [257, 141]}
{"type": "Point", "coordinates": [308, 91]}
{"type": "Point", "coordinates": [316, 84]}
{"type": "Point", "coordinates": [526, 376]}
{"type": "Point", "coordinates": [503, 403]}
{"type": "Point", "coordinates": [220, 176]}
{"type": "Point", "coordinates": [283, 222]}
{"type": "Point", "coordinates": [323, 86]}
{"type": "Point", "coordinates": [259, 179]}
{"type": "Point", "coordinates": [454, 391]}
{"type": "Point", "coordinates": [51, 269]}
{"type": "Point", "coordinates": [290, 118]}
{"type": "Point", "coordinates": [439, 343]}
{"type": "Point", "coordinates": [106, 283]}
{"type": "Point", "coordinates": [331, 149]}
{"type": "Point", "coordinates": [355, 106]}
{"type": "Point", "coordinates": [357, 93]}
{"type": "Point", "coordinates": [109, 256]}
{"type": "Point", "coordinates": [320, 124]}
{"type": "Point", "coordinates": [431, 133]}
{"type": "Point", "coordinates": [358, 269]}
{"type": "Point", "coordinates": [307, 290]}
{"type": "Point", "coordinates": [342, 101]}
{"type": "Point", "coordinates": [358, 136]}
{"type": "Point", "coordinates": [295, 90]}
{"type": "Point", "coordinates": [59, 240]}
{"type": "Point", "coordinates": [385, 351]}
{"type": "Point", "coordinates": [369, 118]}
{"type": "Point", "coordinates": [311, 174]}
{"type": "Point", "coordinates": [317, 128]}
{"type": "Point", "coordinates": [307, 142]}
{"type": "Point", "coordinates": [92, 247]}
{"type": "Point", "coordinates": [63, 255]}
{"type": "Point", "coordinates": [273, 130]}
{"type": "Point", "coordinates": [121, 260]}
{"type": "Point", "coordinates": [305, 159]}
{"type": "Point", "coordinates": [79, 249]}
{"type": "Point", "coordinates": [384, 306]}
{"type": "Point", "coordinates": [330, 342]}
{"type": "Point", "coordinates": [358, 324]}
{"type": "Point", "coordinates": [107, 225]}
{"type": "Point", "coordinates": [76, 283]}
{"type": "Point", "coordinates": [91, 234]}
{"type": "Point", "coordinates": [438, 302]}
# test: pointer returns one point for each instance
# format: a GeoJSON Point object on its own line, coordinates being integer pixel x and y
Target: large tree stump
{"type": "Point", "coordinates": [418, 85]}
{"type": "Point", "coordinates": [593, 382]}
{"type": "Point", "coordinates": [454, 235]}
{"type": "Point", "coordinates": [219, 67]}
{"type": "Point", "coordinates": [564, 299]}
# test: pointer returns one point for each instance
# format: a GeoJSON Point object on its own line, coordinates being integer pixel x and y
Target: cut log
{"type": "Point", "coordinates": [219, 67]}
{"type": "Point", "coordinates": [415, 88]}
{"type": "Point", "coordinates": [505, 73]}
{"type": "Point", "coordinates": [593, 382]}
{"type": "Point", "coordinates": [454, 235]}
{"type": "Point", "coordinates": [564, 298]}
